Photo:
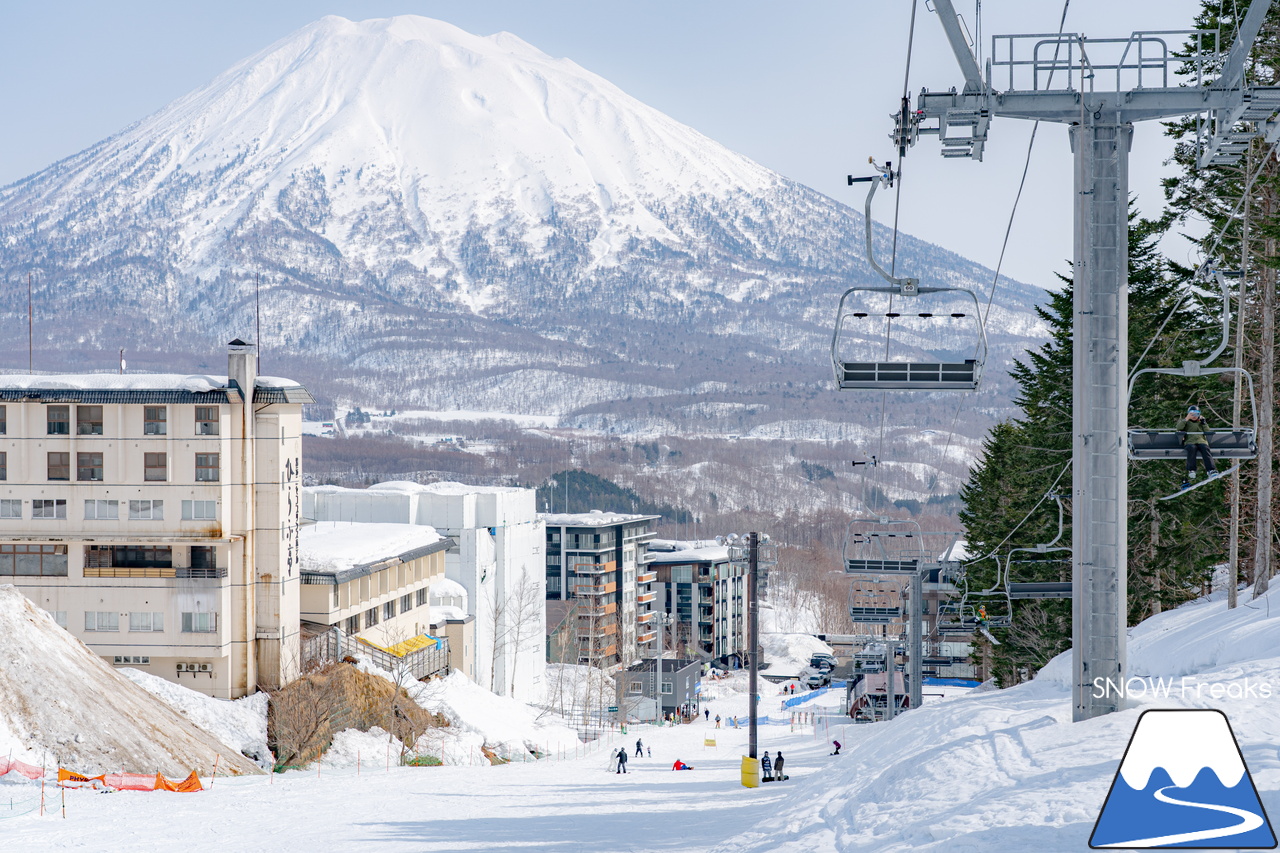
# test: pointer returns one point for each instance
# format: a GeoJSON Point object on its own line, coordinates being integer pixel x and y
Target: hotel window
{"type": "Point", "coordinates": [155, 466]}
{"type": "Point", "coordinates": [199, 623]}
{"type": "Point", "coordinates": [203, 557]}
{"type": "Point", "coordinates": [155, 420]}
{"type": "Point", "coordinates": [208, 469]}
{"type": "Point", "coordinates": [422, 597]}
{"type": "Point", "coordinates": [406, 603]}
{"type": "Point", "coordinates": [4, 466]}
{"type": "Point", "coordinates": [371, 617]}
{"type": "Point", "coordinates": [4, 421]}
{"type": "Point", "coordinates": [10, 508]}
{"type": "Point", "coordinates": [199, 510]}
{"type": "Point", "coordinates": [89, 466]}
{"type": "Point", "coordinates": [48, 509]}
{"type": "Point", "coordinates": [146, 621]}
{"type": "Point", "coordinates": [389, 610]}
{"type": "Point", "coordinates": [101, 620]}
{"type": "Point", "coordinates": [353, 624]}
{"type": "Point", "coordinates": [132, 660]}
{"type": "Point", "coordinates": [49, 561]}
{"type": "Point", "coordinates": [88, 420]}
{"type": "Point", "coordinates": [146, 510]}
{"type": "Point", "coordinates": [206, 420]}
{"type": "Point", "coordinates": [59, 466]}
{"type": "Point", "coordinates": [58, 419]}
{"type": "Point", "coordinates": [101, 510]}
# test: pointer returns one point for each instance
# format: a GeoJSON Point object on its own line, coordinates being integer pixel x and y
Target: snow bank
{"type": "Point", "coordinates": [370, 749]}
{"type": "Point", "coordinates": [61, 703]}
{"type": "Point", "coordinates": [789, 654]}
{"type": "Point", "coordinates": [1009, 770]}
{"type": "Point", "coordinates": [241, 723]}
{"type": "Point", "coordinates": [509, 727]}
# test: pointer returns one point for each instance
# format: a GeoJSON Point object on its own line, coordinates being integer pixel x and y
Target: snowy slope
{"type": "Point", "coordinates": [60, 704]}
{"type": "Point", "coordinates": [1008, 770]}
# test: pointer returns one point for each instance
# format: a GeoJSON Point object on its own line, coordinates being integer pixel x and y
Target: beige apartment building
{"type": "Point", "coordinates": [157, 517]}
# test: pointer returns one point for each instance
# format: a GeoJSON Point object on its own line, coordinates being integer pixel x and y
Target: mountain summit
{"type": "Point", "coordinates": [452, 221]}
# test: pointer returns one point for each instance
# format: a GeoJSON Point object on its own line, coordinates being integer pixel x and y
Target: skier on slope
{"type": "Point", "coordinates": [639, 748]}
{"type": "Point", "coordinates": [1195, 440]}
{"type": "Point", "coordinates": [622, 760]}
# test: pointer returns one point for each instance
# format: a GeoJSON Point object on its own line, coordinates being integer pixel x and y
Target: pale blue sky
{"type": "Point", "coordinates": [803, 87]}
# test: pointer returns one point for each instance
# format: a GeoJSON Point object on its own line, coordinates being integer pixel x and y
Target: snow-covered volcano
{"type": "Point", "coordinates": [466, 221]}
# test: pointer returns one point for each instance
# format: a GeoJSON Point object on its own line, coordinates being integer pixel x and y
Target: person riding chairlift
{"type": "Point", "coordinates": [1195, 439]}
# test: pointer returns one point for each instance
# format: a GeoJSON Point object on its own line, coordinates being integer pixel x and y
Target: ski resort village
{"type": "Point", "coordinates": [670, 428]}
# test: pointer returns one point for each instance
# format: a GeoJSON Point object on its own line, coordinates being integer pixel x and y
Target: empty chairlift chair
{"type": "Point", "coordinates": [926, 319]}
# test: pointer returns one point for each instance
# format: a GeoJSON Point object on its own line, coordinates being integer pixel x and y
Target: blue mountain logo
{"type": "Point", "coordinates": [1183, 783]}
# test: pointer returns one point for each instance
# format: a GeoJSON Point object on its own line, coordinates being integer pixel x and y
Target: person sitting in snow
{"type": "Point", "coordinates": [680, 765]}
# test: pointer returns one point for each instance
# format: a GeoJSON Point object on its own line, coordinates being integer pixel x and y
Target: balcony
{"type": "Point", "coordinates": [646, 577]}
{"type": "Point", "coordinates": [594, 589]}
{"type": "Point", "coordinates": [151, 572]}
{"type": "Point", "coordinates": [597, 610]}
{"type": "Point", "coordinates": [646, 616]}
{"type": "Point", "coordinates": [645, 597]}
{"type": "Point", "coordinates": [647, 638]}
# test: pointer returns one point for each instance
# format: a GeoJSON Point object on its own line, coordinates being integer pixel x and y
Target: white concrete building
{"type": "Point", "coordinates": [157, 517]}
{"type": "Point", "coordinates": [497, 560]}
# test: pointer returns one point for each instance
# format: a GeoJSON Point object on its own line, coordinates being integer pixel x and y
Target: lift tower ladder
{"type": "Point", "coordinates": [1100, 88]}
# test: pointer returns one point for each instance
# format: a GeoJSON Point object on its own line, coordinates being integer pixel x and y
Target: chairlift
{"type": "Point", "coordinates": [1040, 589]}
{"type": "Point", "coordinates": [1231, 443]}
{"type": "Point", "coordinates": [875, 601]}
{"type": "Point", "coordinates": [863, 303]}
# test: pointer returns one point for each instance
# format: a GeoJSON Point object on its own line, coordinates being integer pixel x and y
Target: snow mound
{"type": "Point", "coordinates": [789, 654]}
{"type": "Point", "coordinates": [353, 747]}
{"type": "Point", "coordinates": [1009, 770]}
{"type": "Point", "coordinates": [509, 727]}
{"type": "Point", "coordinates": [60, 703]}
{"type": "Point", "coordinates": [241, 723]}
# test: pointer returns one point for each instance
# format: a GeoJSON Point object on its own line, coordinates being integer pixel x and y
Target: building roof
{"type": "Point", "coordinates": [668, 664]}
{"type": "Point", "coordinates": [670, 551]}
{"type": "Point", "coordinates": [335, 552]}
{"type": "Point", "coordinates": [162, 388]}
{"type": "Point", "coordinates": [595, 518]}
{"type": "Point", "coordinates": [406, 487]}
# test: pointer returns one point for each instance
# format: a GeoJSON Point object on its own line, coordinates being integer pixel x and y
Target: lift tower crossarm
{"type": "Point", "coordinates": [1233, 68]}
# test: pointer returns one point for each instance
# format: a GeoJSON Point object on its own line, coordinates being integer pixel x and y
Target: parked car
{"type": "Point", "coordinates": [822, 657]}
{"type": "Point", "coordinates": [821, 664]}
{"type": "Point", "coordinates": [817, 679]}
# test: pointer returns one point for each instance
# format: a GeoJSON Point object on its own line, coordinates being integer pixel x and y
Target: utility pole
{"type": "Point", "coordinates": [753, 637]}
{"type": "Point", "coordinates": [1099, 88]}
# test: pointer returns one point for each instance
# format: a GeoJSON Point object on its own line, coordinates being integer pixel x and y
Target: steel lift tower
{"type": "Point", "coordinates": [1099, 88]}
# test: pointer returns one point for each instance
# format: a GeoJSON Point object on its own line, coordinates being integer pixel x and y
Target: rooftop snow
{"type": "Point", "coordinates": [338, 547]}
{"type": "Point", "coordinates": [195, 383]}
{"type": "Point", "coordinates": [595, 518]}
{"type": "Point", "coordinates": [686, 552]}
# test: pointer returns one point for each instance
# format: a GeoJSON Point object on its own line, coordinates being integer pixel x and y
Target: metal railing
{"type": "Point", "coordinates": [336, 644]}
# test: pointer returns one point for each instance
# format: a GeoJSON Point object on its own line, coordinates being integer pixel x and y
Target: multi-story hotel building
{"type": "Point", "coordinates": [157, 517]}
{"type": "Point", "coordinates": [599, 559]}
{"type": "Point", "coordinates": [704, 594]}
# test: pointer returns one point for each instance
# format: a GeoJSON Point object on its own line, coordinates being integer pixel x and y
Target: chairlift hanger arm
{"type": "Point", "coordinates": [898, 285]}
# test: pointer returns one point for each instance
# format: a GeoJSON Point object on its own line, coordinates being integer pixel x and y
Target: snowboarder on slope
{"type": "Point", "coordinates": [836, 743]}
{"type": "Point", "coordinates": [639, 748]}
{"type": "Point", "coordinates": [717, 721]}
{"type": "Point", "coordinates": [1195, 440]}
{"type": "Point", "coordinates": [622, 760]}
{"type": "Point", "coordinates": [680, 765]}
{"type": "Point", "coordinates": [777, 767]}
{"type": "Point", "coordinates": [767, 767]}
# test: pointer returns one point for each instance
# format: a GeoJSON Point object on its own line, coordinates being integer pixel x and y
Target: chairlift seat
{"type": "Point", "coordinates": [1146, 444]}
{"type": "Point", "coordinates": [908, 375]}
{"type": "Point", "coordinates": [1048, 589]}
{"type": "Point", "coordinates": [875, 615]}
{"type": "Point", "coordinates": [881, 567]}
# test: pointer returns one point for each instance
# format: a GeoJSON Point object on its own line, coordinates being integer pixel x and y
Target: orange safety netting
{"type": "Point", "coordinates": [21, 768]}
{"type": "Point", "coordinates": [128, 782]}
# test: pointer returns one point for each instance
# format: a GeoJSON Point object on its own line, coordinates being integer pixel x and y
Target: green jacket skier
{"type": "Point", "coordinates": [1195, 439]}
